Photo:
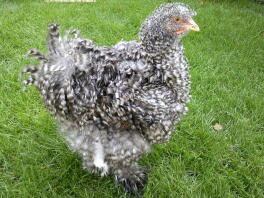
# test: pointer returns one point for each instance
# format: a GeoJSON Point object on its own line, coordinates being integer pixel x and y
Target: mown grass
{"type": "Point", "coordinates": [227, 88]}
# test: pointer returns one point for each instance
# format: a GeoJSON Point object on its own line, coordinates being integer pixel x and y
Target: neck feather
{"type": "Point", "coordinates": [159, 47]}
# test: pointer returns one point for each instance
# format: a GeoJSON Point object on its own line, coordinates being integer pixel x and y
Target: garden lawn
{"type": "Point", "coordinates": [227, 67]}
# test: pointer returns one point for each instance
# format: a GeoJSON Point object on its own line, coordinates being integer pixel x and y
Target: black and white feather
{"type": "Point", "coordinates": [113, 103]}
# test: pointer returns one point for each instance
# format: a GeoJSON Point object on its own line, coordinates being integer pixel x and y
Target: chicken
{"type": "Point", "coordinates": [113, 103]}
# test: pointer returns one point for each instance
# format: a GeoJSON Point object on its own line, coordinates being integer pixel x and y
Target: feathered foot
{"type": "Point", "coordinates": [133, 179]}
{"type": "Point", "coordinates": [90, 167]}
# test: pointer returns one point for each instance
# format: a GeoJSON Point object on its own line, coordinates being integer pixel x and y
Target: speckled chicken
{"type": "Point", "coordinates": [113, 103]}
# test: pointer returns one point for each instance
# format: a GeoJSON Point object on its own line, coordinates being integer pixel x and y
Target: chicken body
{"type": "Point", "coordinates": [113, 103]}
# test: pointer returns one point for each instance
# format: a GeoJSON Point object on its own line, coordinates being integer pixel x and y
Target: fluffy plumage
{"type": "Point", "coordinates": [113, 103]}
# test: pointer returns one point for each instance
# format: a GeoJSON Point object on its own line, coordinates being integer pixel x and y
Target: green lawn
{"type": "Point", "coordinates": [227, 59]}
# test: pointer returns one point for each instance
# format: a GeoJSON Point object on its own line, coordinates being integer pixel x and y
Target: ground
{"type": "Point", "coordinates": [226, 59]}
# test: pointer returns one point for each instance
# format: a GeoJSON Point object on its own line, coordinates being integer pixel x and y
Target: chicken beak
{"type": "Point", "coordinates": [192, 25]}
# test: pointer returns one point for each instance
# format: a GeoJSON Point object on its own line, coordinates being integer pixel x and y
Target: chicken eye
{"type": "Point", "coordinates": [177, 19]}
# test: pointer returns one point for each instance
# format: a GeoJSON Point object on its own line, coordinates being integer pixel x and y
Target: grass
{"type": "Point", "coordinates": [227, 88]}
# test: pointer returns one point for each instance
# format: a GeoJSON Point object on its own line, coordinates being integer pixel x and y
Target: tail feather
{"type": "Point", "coordinates": [54, 50]}
{"type": "Point", "coordinates": [32, 79]}
{"type": "Point", "coordinates": [53, 39]}
{"type": "Point", "coordinates": [37, 54]}
{"type": "Point", "coordinates": [32, 69]}
{"type": "Point", "coordinates": [63, 53]}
